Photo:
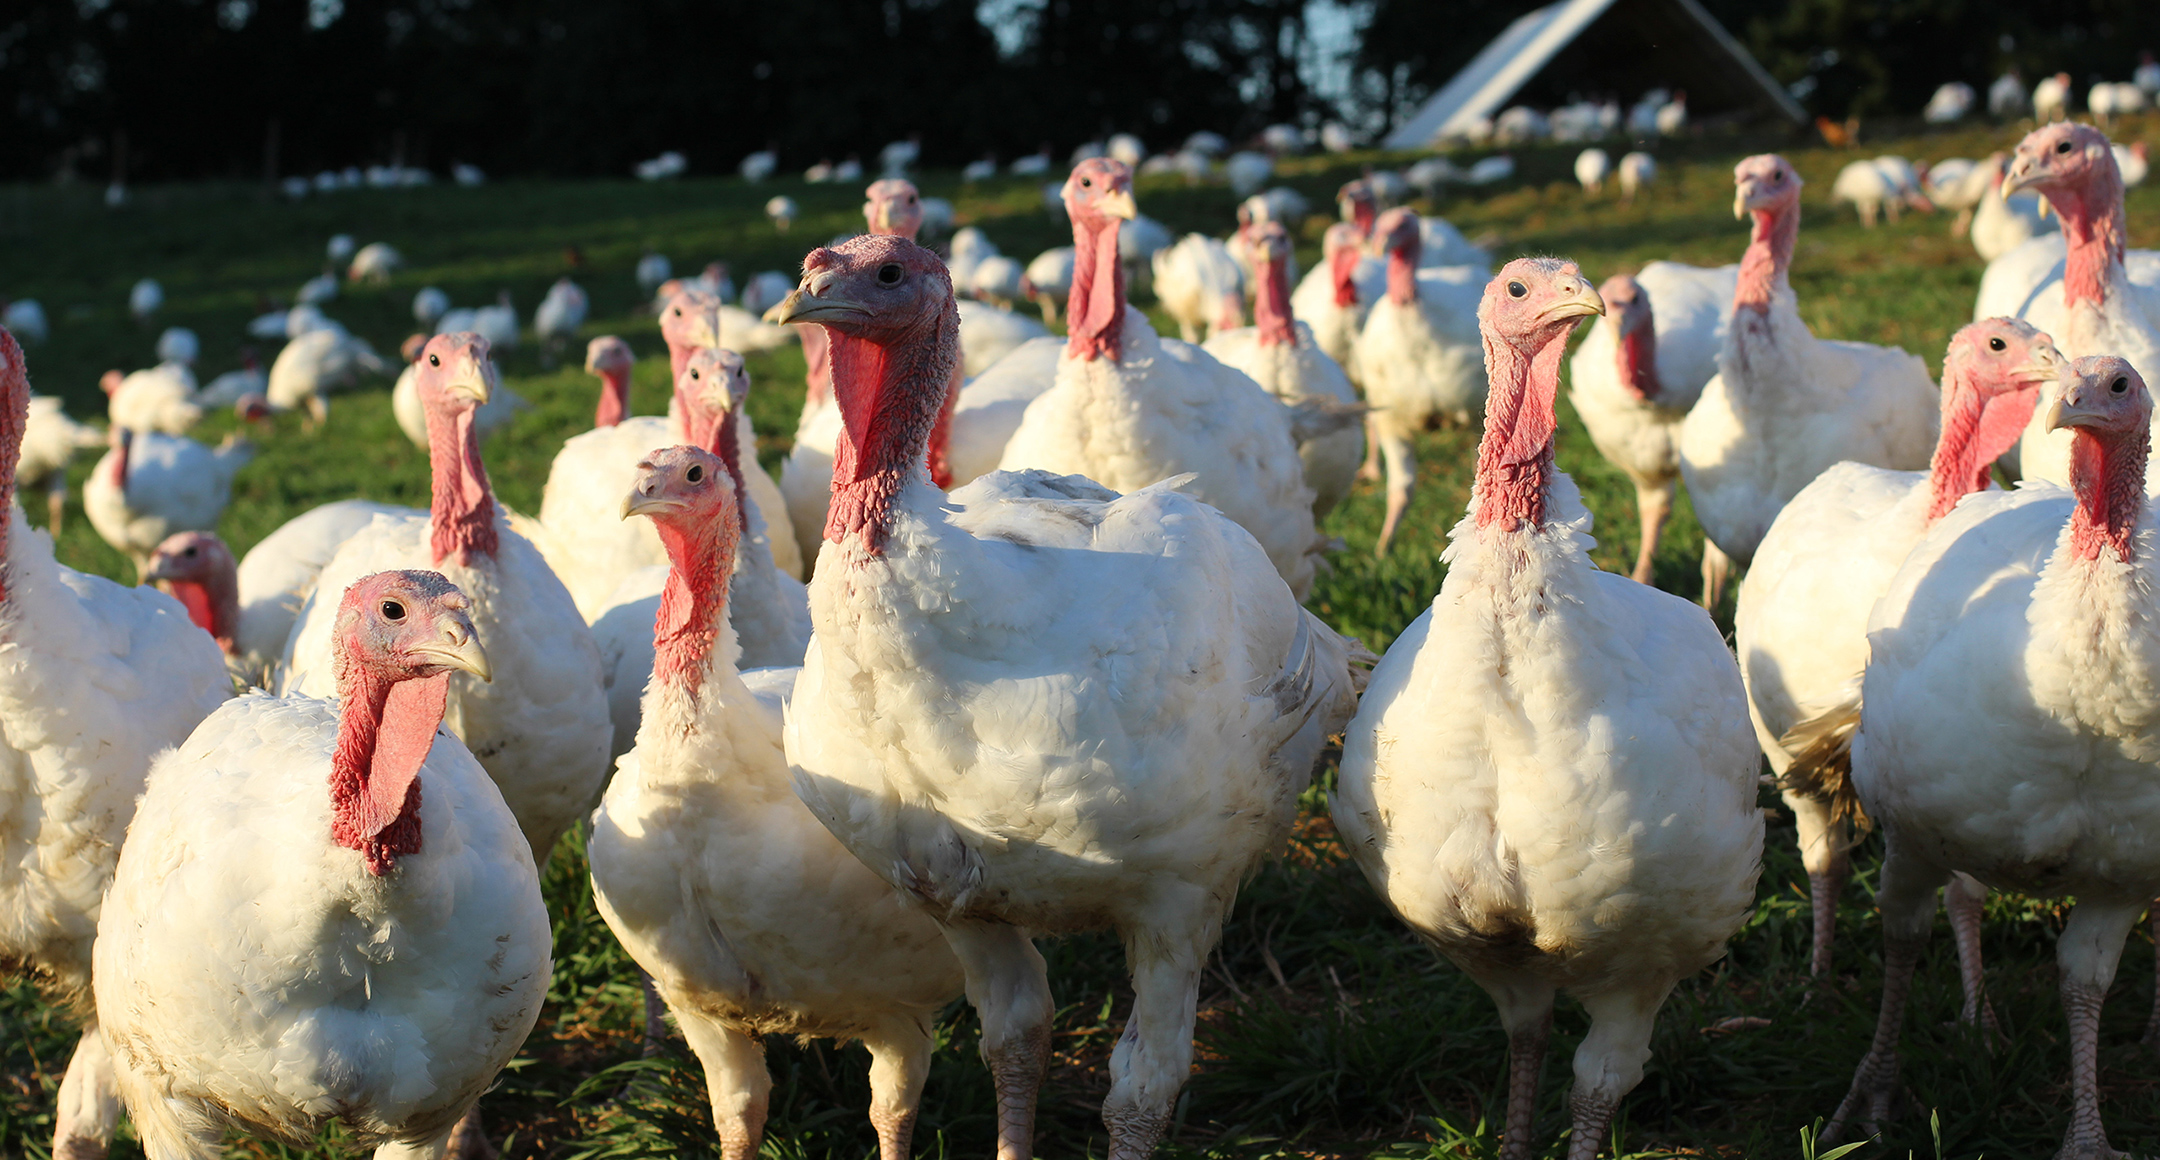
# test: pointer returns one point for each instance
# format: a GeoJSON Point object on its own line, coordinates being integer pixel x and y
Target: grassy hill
{"type": "Point", "coordinates": [1325, 1029]}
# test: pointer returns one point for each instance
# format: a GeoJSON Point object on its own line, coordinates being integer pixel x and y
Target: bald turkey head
{"type": "Point", "coordinates": [1764, 183]}
{"type": "Point", "coordinates": [610, 358]}
{"type": "Point", "coordinates": [689, 319]}
{"type": "Point", "coordinates": [199, 570]}
{"type": "Point", "coordinates": [893, 206]}
{"type": "Point", "coordinates": [1634, 331]}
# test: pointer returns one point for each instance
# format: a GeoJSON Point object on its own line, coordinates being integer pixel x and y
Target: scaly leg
{"type": "Point", "coordinates": [468, 1138]}
{"type": "Point", "coordinates": [1963, 897]}
{"type": "Point", "coordinates": [1401, 458]}
{"type": "Point", "coordinates": [1610, 1061]}
{"type": "Point", "coordinates": [1009, 986]}
{"type": "Point", "coordinates": [655, 1016]}
{"type": "Point", "coordinates": [1154, 1054]}
{"type": "Point", "coordinates": [1526, 1014]}
{"type": "Point", "coordinates": [1907, 896]}
{"type": "Point", "coordinates": [1370, 469]}
{"type": "Point", "coordinates": [735, 1081]}
{"type": "Point", "coordinates": [89, 1103]}
{"type": "Point", "coordinates": [2090, 947]}
{"type": "Point", "coordinates": [1653, 502]}
{"type": "Point", "coordinates": [1824, 851]}
{"type": "Point", "coordinates": [1716, 569]}
{"type": "Point", "coordinates": [56, 503]}
{"type": "Point", "coordinates": [899, 1065]}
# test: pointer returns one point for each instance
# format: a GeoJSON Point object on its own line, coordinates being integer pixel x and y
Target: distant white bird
{"type": "Point", "coordinates": [1950, 103]}
{"type": "Point", "coordinates": [652, 270]}
{"type": "Point", "coordinates": [1247, 172]}
{"type": "Point", "coordinates": [969, 246]}
{"type": "Point", "coordinates": [1432, 173]}
{"type": "Point", "coordinates": [340, 249]}
{"type": "Point", "coordinates": [49, 444]}
{"type": "Point", "coordinates": [429, 305]}
{"type": "Point", "coordinates": [2109, 100]}
{"type": "Point", "coordinates": [375, 262]}
{"type": "Point", "coordinates": [317, 290]}
{"type": "Point", "coordinates": [467, 175]}
{"type": "Point", "coordinates": [2002, 224]}
{"type": "Point", "coordinates": [160, 398]}
{"type": "Point", "coordinates": [498, 323]}
{"type": "Point", "coordinates": [2051, 98]}
{"type": "Point", "coordinates": [178, 344]}
{"type": "Point", "coordinates": [782, 211]}
{"type": "Point", "coordinates": [759, 165]}
{"type": "Point", "coordinates": [560, 313]}
{"type": "Point", "coordinates": [999, 280]}
{"type": "Point", "coordinates": [1672, 116]}
{"type": "Point", "coordinates": [1126, 148]}
{"type": "Point", "coordinates": [1282, 139]}
{"type": "Point", "coordinates": [1637, 171]}
{"type": "Point", "coordinates": [1591, 168]}
{"type": "Point", "coordinates": [665, 167]}
{"type": "Point", "coordinates": [305, 318]}
{"type": "Point", "coordinates": [1642, 118]}
{"type": "Point", "coordinates": [26, 318]}
{"type": "Point", "coordinates": [227, 389]}
{"type": "Point", "coordinates": [2006, 97]}
{"type": "Point", "coordinates": [2133, 163]}
{"type": "Point", "coordinates": [980, 169]}
{"type": "Point", "coordinates": [1201, 286]}
{"type": "Point", "coordinates": [848, 171]}
{"type": "Point", "coordinates": [897, 157]}
{"type": "Point", "coordinates": [1499, 167]}
{"type": "Point", "coordinates": [1032, 164]}
{"type": "Point", "coordinates": [295, 188]}
{"type": "Point", "coordinates": [1049, 279]}
{"type": "Point", "coordinates": [314, 364]}
{"type": "Point", "coordinates": [151, 485]}
{"type": "Point", "coordinates": [1584, 121]}
{"type": "Point", "coordinates": [764, 291]}
{"type": "Point", "coordinates": [1138, 244]}
{"type": "Point", "coordinates": [1879, 185]}
{"type": "Point", "coordinates": [1280, 204]}
{"type": "Point", "coordinates": [937, 216]}
{"type": "Point", "coordinates": [144, 299]}
{"type": "Point", "coordinates": [1520, 125]}
{"type": "Point", "coordinates": [2147, 76]}
{"type": "Point", "coordinates": [1207, 144]}
{"type": "Point", "coordinates": [1335, 137]}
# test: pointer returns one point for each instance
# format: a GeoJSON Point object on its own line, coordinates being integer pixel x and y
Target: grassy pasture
{"type": "Point", "coordinates": [1326, 1030]}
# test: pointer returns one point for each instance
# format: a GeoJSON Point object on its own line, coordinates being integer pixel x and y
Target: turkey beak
{"type": "Point", "coordinates": [1118, 203]}
{"type": "Point", "coordinates": [2046, 367]}
{"type": "Point", "coordinates": [646, 498]}
{"type": "Point", "coordinates": [161, 568]}
{"type": "Point", "coordinates": [1585, 301]}
{"type": "Point", "coordinates": [2067, 408]}
{"type": "Point", "coordinates": [2022, 175]}
{"type": "Point", "coordinates": [475, 378]}
{"type": "Point", "coordinates": [1741, 192]}
{"type": "Point", "coordinates": [456, 646]}
{"type": "Point", "coordinates": [806, 304]}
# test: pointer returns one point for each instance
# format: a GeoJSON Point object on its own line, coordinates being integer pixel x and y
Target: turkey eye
{"type": "Point", "coordinates": [2063, 147]}
{"type": "Point", "coordinates": [678, 312]}
{"type": "Point", "coordinates": [434, 360]}
{"type": "Point", "coordinates": [694, 373]}
{"type": "Point", "coordinates": [1087, 183]}
{"type": "Point", "coordinates": [889, 274]}
{"type": "Point", "coordinates": [392, 610]}
{"type": "Point", "coordinates": [2118, 386]}
{"type": "Point", "coordinates": [1995, 344]}
{"type": "Point", "coordinates": [1517, 289]}
{"type": "Point", "coordinates": [696, 474]}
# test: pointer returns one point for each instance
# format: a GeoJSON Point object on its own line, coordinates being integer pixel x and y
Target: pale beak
{"type": "Point", "coordinates": [458, 648]}
{"type": "Point", "coordinates": [2047, 369]}
{"type": "Point", "coordinates": [2066, 409]}
{"type": "Point", "coordinates": [799, 306]}
{"type": "Point", "coordinates": [1741, 191]}
{"type": "Point", "coordinates": [2022, 175]}
{"type": "Point", "coordinates": [1584, 302]}
{"type": "Point", "coordinates": [475, 380]}
{"type": "Point", "coordinates": [1119, 203]}
{"type": "Point", "coordinates": [161, 568]}
{"type": "Point", "coordinates": [641, 502]}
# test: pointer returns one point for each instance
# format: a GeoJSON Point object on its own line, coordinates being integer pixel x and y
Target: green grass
{"type": "Point", "coordinates": [1326, 1029]}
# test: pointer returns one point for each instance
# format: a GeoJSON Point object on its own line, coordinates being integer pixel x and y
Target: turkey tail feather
{"type": "Point", "coordinates": [1821, 768]}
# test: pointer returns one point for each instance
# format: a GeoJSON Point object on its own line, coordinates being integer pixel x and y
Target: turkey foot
{"type": "Point", "coordinates": [468, 1140]}
{"type": "Point", "coordinates": [1963, 897]}
{"type": "Point", "coordinates": [1875, 1084]}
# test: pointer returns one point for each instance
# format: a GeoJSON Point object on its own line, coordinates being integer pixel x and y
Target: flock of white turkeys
{"type": "Point", "coordinates": [1018, 649]}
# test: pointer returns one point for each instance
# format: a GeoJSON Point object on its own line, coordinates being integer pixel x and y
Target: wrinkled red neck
{"type": "Point", "coordinates": [2093, 233]}
{"type": "Point", "coordinates": [727, 444]}
{"type": "Point", "coordinates": [939, 455]}
{"type": "Point", "coordinates": [1363, 212]}
{"type": "Point", "coordinates": [2108, 474]}
{"type": "Point", "coordinates": [213, 604]}
{"type": "Point", "coordinates": [1342, 266]}
{"type": "Point", "coordinates": [1515, 457]}
{"type": "Point", "coordinates": [678, 357]}
{"type": "Point", "coordinates": [1638, 361]}
{"type": "Point", "coordinates": [701, 555]}
{"type": "Point", "coordinates": [1402, 273]}
{"type": "Point", "coordinates": [890, 393]}
{"type": "Point", "coordinates": [1097, 313]}
{"type": "Point", "coordinates": [122, 443]}
{"type": "Point", "coordinates": [817, 357]}
{"type": "Point", "coordinates": [614, 398]}
{"type": "Point", "coordinates": [1975, 431]}
{"type": "Point", "coordinates": [1271, 305]}
{"type": "Point", "coordinates": [1769, 256]}
{"type": "Point", "coordinates": [462, 514]}
{"type": "Point", "coordinates": [385, 729]}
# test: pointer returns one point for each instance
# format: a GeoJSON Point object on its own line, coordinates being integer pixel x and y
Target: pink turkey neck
{"type": "Point", "coordinates": [122, 445]}
{"type": "Point", "coordinates": [1098, 290]}
{"type": "Point", "coordinates": [1402, 263]}
{"type": "Point", "coordinates": [1363, 212]}
{"type": "Point", "coordinates": [1342, 265]}
{"type": "Point", "coordinates": [614, 398]}
{"type": "Point", "coordinates": [1271, 305]}
{"type": "Point", "coordinates": [890, 396]}
{"type": "Point", "coordinates": [14, 419]}
{"type": "Point", "coordinates": [1769, 255]}
{"type": "Point", "coordinates": [817, 357]}
{"type": "Point", "coordinates": [1515, 457]}
{"type": "Point", "coordinates": [1976, 428]}
{"type": "Point", "coordinates": [2108, 474]}
{"type": "Point", "coordinates": [1638, 361]}
{"type": "Point", "coordinates": [701, 552]}
{"type": "Point", "coordinates": [728, 446]}
{"type": "Point", "coordinates": [385, 729]}
{"type": "Point", "coordinates": [461, 515]}
{"type": "Point", "coordinates": [213, 604]}
{"type": "Point", "coordinates": [2093, 232]}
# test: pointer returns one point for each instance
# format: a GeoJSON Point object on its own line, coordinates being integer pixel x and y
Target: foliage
{"type": "Point", "coordinates": [1325, 1029]}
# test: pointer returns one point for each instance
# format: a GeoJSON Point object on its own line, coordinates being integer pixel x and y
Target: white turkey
{"type": "Point", "coordinates": [1950, 102]}
{"type": "Point", "coordinates": [375, 262]}
{"type": "Point", "coordinates": [2002, 224]}
{"type": "Point", "coordinates": [1800, 624]}
{"type": "Point", "coordinates": [2051, 98]}
{"type": "Point", "coordinates": [1550, 776]}
{"type": "Point", "coordinates": [1335, 296]}
{"type": "Point", "coordinates": [229, 388]}
{"type": "Point", "coordinates": [1592, 167]}
{"type": "Point", "coordinates": [2081, 285]}
{"type": "Point", "coordinates": [315, 363]}
{"type": "Point", "coordinates": [557, 319]}
{"type": "Point", "coordinates": [1785, 404]}
{"type": "Point", "coordinates": [1638, 373]}
{"type": "Point", "coordinates": [1049, 278]}
{"type": "Point", "coordinates": [782, 210]}
{"type": "Point", "coordinates": [1280, 354]}
{"type": "Point", "coordinates": [1880, 185]}
{"type": "Point", "coordinates": [1129, 409]}
{"type": "Point", "coordinates": [2007, 97]}
{"type": "Point", "coordinates": [324, 914]}
{"type": "Point", "coordinates": [502, 406]}
{"type": "Point", "coordinates": [145, 298]}
{"type": "Point", "coordinates": [49, 443]}
{"type": "Point", "coordinates": [750, 917]}
{"type": "Point", "coordinates": [98, 678]}
{"type": "Point", "coordinates": [161, 398]}
{"type": "Point", "coordinates": [2007, 724]}
{"type": "Point", "coordinates": [1200, 286]}
{"type": "Point", "coordinates": [429, 304]}
{"type": "Point", "coordinates": [26, 318]}
{"type": "Point", "coordinates": [1420, 356]}
{"type": "Point", "coordinates": [278, 574]}
{"type": "Point", "coordinates": [541, 729]}
{"type": "Point", "coordinates": [198, 570]}
{"type": "Point", "coordinates": [1193, 696]}
{"type": "Point", "coordinates": [150, 486]}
